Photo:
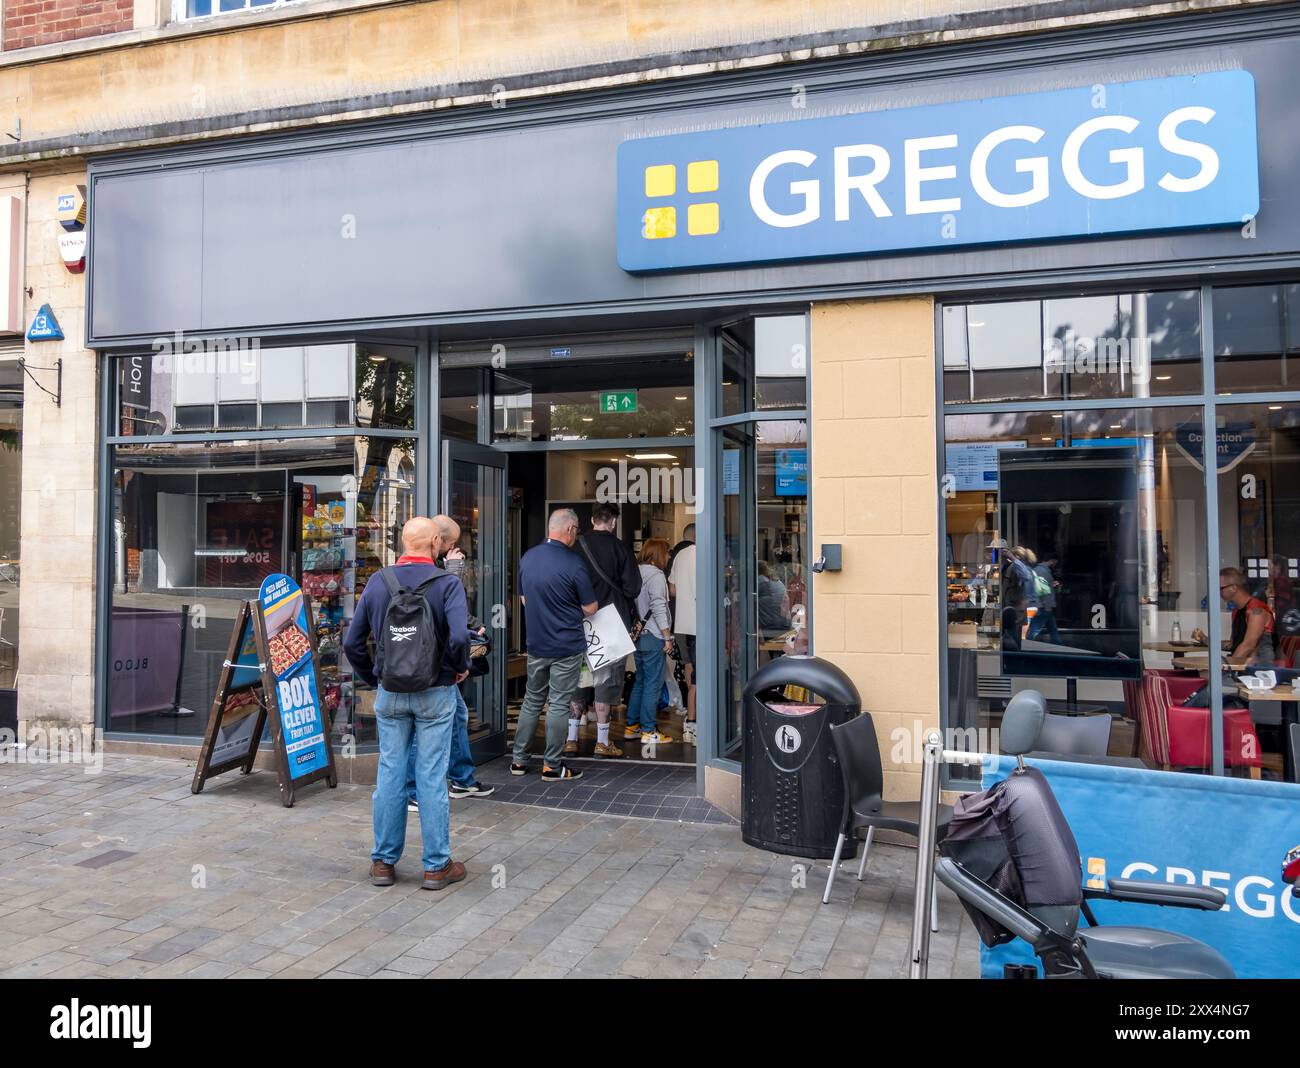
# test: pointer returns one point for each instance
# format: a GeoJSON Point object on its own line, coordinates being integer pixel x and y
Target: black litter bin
{"type": "Point", "coordinates": [792, 795]}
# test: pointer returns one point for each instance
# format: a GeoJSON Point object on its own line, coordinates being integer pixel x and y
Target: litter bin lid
{"type": "Point", "coordinates": [821, 676]}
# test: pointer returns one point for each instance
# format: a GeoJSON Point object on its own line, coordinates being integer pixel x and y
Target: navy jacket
{"type": "Point", "coordinates": [450, 621]}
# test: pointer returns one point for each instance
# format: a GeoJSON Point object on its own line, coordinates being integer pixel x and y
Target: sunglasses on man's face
{"type": "Point", "coordinates": [1229, 586]}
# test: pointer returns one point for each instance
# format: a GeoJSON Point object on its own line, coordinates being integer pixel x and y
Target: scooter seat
{"type": "Point", "coordinates": [1146, 953]}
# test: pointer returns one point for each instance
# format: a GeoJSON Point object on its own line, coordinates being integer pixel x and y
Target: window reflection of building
{"type": "Point", "coordinates": [199, 522]}
{"type": "Point", "coordinates": [1064, 350]}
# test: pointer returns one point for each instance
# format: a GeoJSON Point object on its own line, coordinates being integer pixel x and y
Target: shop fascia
{"type": "Point", "coordinates": [916, 173]}
{"type": "Point", "coordinates": [1166, 153]}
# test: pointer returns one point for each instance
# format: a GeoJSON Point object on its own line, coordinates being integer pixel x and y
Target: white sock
{"type": "Point", "coordinates": [602, 733]}
{"type": "Point", "coordinates": [573, 729]}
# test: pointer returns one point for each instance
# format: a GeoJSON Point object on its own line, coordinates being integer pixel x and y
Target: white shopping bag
{"type": "Point", "coordinates": [608, 641]}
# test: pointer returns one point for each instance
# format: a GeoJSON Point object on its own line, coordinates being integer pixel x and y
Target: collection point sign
{"type": "Point", "coordinates": [1162, 154]}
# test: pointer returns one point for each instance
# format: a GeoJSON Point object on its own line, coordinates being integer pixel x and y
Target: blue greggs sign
{"type": "Point", "coordinates": [1163, 154]}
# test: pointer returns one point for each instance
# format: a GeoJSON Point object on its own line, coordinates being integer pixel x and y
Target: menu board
{"type": "Point", "coordinates": [293, 668]}
{"type": "Point", "coordinates": [270, 676]}
{"type": "Point", "coordinates": [974, 465]}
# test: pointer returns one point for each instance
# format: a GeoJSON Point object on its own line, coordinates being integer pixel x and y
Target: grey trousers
{"type": "Point", "coordinates": [557, 676]}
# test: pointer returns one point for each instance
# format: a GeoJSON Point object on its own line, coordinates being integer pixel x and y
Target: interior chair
{"type": "Point", "coordinates": [1179, 737]}
{"type": "Point", "coordinates": [1032, 886]}
{"type": "Point", "coordinates": [865, 809]}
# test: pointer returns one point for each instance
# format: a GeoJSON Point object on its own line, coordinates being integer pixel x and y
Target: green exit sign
{"type": "Point", "coordinates": [618, 400]}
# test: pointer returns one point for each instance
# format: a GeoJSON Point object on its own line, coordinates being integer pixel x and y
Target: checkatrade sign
{"type": "Point", "coordinates": [1163, 154]}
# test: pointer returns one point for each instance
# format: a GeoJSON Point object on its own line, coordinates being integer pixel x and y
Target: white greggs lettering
{"type": "Point", "coordinates": [861, 168]}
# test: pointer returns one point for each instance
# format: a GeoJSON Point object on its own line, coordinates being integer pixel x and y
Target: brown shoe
{"type": "Point", "coordinates": [382, 874]}
{"type": "Point", "coordinates": [610, 751]}
{"type": "Point", "coordinates": [570, 748]}
{"type": "Point", "coordinates": [452, 872]}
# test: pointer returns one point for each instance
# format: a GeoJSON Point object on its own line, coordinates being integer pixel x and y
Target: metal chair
{"type": "Point", "coordinates": [1014, 839]}
{"type": "Point", "coordinates": [858, 753]}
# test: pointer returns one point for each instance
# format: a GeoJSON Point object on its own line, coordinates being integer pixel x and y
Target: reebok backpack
{"type": "Point", "coordinates": [412, 653]}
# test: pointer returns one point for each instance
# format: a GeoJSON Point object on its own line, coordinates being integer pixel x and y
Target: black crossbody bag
{"type": "Point", "coordinates": [637, 628]}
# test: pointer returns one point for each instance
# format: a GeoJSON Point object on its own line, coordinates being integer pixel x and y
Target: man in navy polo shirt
{"type": "Point", "coordinates": [557, 595]}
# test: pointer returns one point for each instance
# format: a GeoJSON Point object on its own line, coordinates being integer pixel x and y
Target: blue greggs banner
{"type": "Point", "coordinates": [1169, 153]}
{"type": "Point", "coordinates": [1228, 833]}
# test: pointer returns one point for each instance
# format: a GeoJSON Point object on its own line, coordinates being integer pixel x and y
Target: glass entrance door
{"type": "Point", "coordinates": [474, 495]}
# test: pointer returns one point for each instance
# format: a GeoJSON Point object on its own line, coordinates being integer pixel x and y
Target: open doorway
{"type": "Point", "coordinates": [533, 425]}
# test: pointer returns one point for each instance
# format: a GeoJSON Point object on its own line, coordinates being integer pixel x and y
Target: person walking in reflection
{"type": "Point", "coordinates": [556, 594]}
{"type": "Point", "coordinates": [1046, 586]}
{"type": "Point", "coordinates": [653, 644]}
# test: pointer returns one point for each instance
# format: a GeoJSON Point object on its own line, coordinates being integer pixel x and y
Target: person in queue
{"type": "Point", "coordinates": [681, 587]}
{"type": "Point", "coordinates": [556, 594]}
{"type": "Point", "coordinates": [461, 779]}
{"type": "Point", "coordinates": [616, 580]}
{"type": "Point", "coordinates": [653, 645]}
{"type": "Point", "coordinates": [427, 714]}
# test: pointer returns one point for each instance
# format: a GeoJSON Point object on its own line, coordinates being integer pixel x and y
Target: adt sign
{"type": "Point", "coordinates": [1163, 154]}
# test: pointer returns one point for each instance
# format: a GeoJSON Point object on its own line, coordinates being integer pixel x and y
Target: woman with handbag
{"type": "Point", "coordinates": [654, 640]}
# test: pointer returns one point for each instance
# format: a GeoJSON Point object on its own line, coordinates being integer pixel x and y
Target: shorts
{"type": "Point", "coordinates": [609, 684]}
{"type": "Point", "coordinates": [687, 642]}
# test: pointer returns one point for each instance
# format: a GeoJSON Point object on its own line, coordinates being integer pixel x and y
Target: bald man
{"type": "Point", "coordinates": [427, 714]}
{"type": "Point", "coordinates": [461, 780]}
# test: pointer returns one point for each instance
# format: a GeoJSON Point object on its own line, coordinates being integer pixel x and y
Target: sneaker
{"type": "Point", "coordinates": [571, 748]}
{"type": "Point", "coordinates": [474, 789]}
{"type": "Point", "coordinates": [562, 772]}
{"type": "Point", "coordinates": [657, 737]}
{"type": "Point", "coordinates": [632, 732]}
{"type": "Point", "coordinates": [382, 874]}
{"type": "Point", "coordinates": [688, 732]}
{"type": "Point", "coordinates": [451, 872]}
{"type": "Point", "coordinates": [518, 769]}
{"type": "Point", "coordinates": [611, 751]}
{"type": "Point", "coordinates": [412, 805]}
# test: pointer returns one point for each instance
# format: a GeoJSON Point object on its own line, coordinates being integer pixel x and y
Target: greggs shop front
{"type": "Point", "coordinates": [970, 316]}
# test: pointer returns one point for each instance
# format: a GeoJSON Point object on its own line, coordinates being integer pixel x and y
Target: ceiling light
{"type": "Point", "coordinates": [1275, 407]}
{"type": "Point", "coordinates": [681, 398]}
{"type": "Point", "coordinates": [1163, 378]}
{"type": "Point", "coordinates": [588, 419]}
{"type": "Point", "coordinates": [652, 456]}
{"type": "Point", "coordinates": [1117, 426]}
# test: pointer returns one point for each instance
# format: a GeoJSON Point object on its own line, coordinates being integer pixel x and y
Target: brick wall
{"type": "Point", "coordinates": [36, 22]}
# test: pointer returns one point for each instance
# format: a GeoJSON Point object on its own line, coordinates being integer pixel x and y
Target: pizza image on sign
{"type": "Point", "coordinates": [287, 647]}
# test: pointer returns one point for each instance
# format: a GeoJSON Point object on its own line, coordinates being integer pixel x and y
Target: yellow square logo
{"type": "Point", "coordinates": [702, 176]}
{"type": "Point", "coordinates": [659, 222]}
{"type": "Point", "coordinates": [702, 219]}
{"type": "Point", "coordinates": [661, 181]}
{"type": "Point", "coordinates": [1096, 873]}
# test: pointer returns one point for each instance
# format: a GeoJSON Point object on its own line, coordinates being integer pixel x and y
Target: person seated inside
{"type": "Point", "coordinates": [1251, 640]}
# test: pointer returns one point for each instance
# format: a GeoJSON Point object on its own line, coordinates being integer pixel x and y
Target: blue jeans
{"type": "Point", "coordinates": [643, 703]}
{"type": "Point", "coordinates": [460, 765]}
{"type": "Point", "coordinates": [427, 716]}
